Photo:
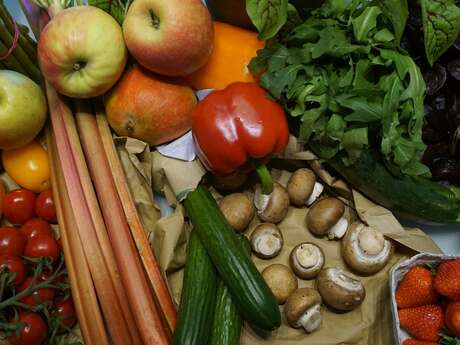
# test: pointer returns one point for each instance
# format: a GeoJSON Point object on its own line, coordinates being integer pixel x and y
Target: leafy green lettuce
{"type": "Point", "coordinates": [341, 75]}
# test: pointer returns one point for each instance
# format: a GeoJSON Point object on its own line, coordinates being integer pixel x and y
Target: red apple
{"type": "Point", "coordinates": [172, 38]}
{"type": "Point", "coordinates": [81, 52]}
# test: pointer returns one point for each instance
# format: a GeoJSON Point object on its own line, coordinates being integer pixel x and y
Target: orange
{"type": "Point", "coordinates": [233, 50]}
{"type": "Point", "coordinates": [28, 166]}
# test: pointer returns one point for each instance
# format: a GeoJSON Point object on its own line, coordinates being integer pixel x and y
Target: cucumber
{"type": "Point", "coordinates": [414, 197]}
{"type": "Point", "coordinates": [252, 296]}
{"type": "Point", "coordinates": [198, 296]}
{"type": "Point", "coordinates": [226, 328]}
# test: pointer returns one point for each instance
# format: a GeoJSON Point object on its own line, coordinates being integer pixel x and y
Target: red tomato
{"type": "Point", "coordinates": [44, 206]}
{"type": "Point", "coordinates": [15, 265]}
{"type": "Point", "coordinates": [36, 226]}
{"type": "Point", "coordinates": [453, 318]}
{"type": "Point", "coordinates": [39, 295]}
{"type": "Point", "coordinates": [42, 245]}
{"type": "Point", "coordinates": [33, 330]}
{"type": "Point", "coordinates": [12, 241]}
{"type": "Point", "coordinates": [19, 206]}
{"type": "Point", "coordinates": [65, 309]}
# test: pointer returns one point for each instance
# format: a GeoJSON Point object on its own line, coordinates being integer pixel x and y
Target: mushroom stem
{"type": "Point", "coordinates": [311, 319]}
{"type": "Point", "coordinates": [264, 175]}
{"type": "Point", "coordinates": [317, 190]}
{"type": "Point", "coordinates": [339, 229]}
{"type": "Point", "coordinates": [267, 245]}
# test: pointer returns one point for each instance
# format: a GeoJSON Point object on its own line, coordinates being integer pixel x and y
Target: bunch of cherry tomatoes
{"type": "Point", "coordinates": [35, 301]}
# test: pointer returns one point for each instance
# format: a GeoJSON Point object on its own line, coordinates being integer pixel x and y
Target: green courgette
{"type": "Point", "coordinates": [416, 198]}
{"type": "Point", "coordinates": [226, 328]}
{"type": "Point", "coordinates": [198, 296]}
{"type": "Point", "coordinates": [252, 296]}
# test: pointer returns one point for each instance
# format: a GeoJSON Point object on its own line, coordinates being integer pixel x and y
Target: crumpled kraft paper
{"type": "Point", "coordinates": [369, 324]}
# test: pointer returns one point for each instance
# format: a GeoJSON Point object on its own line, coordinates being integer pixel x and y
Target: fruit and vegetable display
{"type": "Point", "coordinates": [228, 172]}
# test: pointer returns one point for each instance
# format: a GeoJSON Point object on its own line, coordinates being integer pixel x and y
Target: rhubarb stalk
{"type": "Point", "coordinates": [156, 278]}
{"type": "Point", "coordinates": [147, 316]}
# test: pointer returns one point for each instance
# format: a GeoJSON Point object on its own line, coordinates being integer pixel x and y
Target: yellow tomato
{"type": "Point", "coordinates": [28, 166]}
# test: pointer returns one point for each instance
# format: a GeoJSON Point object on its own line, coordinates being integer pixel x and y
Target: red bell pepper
{"type": "Point", "coordinates": [239, 125]}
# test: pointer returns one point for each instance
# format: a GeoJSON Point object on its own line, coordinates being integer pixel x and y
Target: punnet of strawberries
{"type": "Point", "coordinates": [428, 300]}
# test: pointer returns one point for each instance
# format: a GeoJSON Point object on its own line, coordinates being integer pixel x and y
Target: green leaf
{"type": "Point", "coordinates": [116, 8]}
{"type": "Point", "coordinates": [365, 23]}
{"type": "Point", "coordinates": [397, 11]}
{"type": "Point", "coordinates": [268, 16]}
{"type": "Point", "coordinates": [441, 26]}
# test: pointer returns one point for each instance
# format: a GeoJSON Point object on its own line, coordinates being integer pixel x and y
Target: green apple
{"type": "Point", "coordinates": [81, 52]}
{"type": "Point", "coordinates": [22, 110]}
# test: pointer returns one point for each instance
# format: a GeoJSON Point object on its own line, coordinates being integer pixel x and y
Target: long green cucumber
{"type": "Point", "coordinates": [226, 328]}
{"type": "Point", "coordinates": [250, 293]}
{"type": "Point", "coordinates": [198, 296]}
{"type": "Point", "coordinates": [418, 198]}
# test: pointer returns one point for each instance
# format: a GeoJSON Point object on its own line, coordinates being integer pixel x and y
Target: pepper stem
{"type": "Point", "coordinates": [265, 177]}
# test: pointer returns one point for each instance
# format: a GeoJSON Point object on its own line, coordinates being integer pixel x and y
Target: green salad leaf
{"type": "Point", "coordinates": [441, 26]}
{"type": "Point", "coordinates": [348, 86]}
{"type": "Point", "coordinates": [397, 12]}
{"type": "Point", "coordinates": [268, 16]}
{"type": "Point", "coordinates": [116, 8]}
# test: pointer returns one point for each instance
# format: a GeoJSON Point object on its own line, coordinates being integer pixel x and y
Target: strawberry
{"type": "Point", "coordinates": [453, 318]}
{"type": "Point", "coordinates": [418, 342]}
{"type": "Point", "coordinates": [424, 323]}
{"type": "Point", "coordinates": [416, 288]}
{"type": "Point", "coordinates": [447, 279]}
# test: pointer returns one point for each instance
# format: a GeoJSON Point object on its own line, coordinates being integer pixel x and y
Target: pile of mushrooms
{"type": "Point", "coordinates": [365, 249]}
{"type": "Point", "coordinates": [327, 217]}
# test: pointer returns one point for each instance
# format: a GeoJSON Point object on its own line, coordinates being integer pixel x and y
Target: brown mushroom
{"type": "Point", "coordinates": [266, 241]}
{"type": "Point", "coordinates": [339, 289]}
{"type": "Point", "coordinates": [272, 207]}
{"type": "Point", "coordinates": [327, 217]}
{"type": "Point", "coordinates": [306, 260]}
{"type": "Point", "coordinates": [365, 249]}
{"type": "Point", "coordinates": [302, 187]}
{"type": "Point", "coordinates": [303, 309]}
{"type": "Point", "coordinates": [238, 210]}
{"type": "Point", "coordinates": [281, 281]}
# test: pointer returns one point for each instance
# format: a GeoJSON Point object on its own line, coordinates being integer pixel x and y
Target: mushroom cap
{"type": "Point", "coordinates": [266, 240]}
{"type": "Point", "coordinates": [324, 214]}
{"type": "Point", "coordinates": [365, 249]}
{"type": "Point", "coordinates": [281, 281]}
{"type": "Point", "coordinates": [300, 186]}
{"type": "Point", "coordinates": [339, 289]}
{"type": "Point", "coordinates": [306, 260]}
{"type": "Point", "coordinates": [272, 208]}
{"type": "Point", "coordinates": [238, 210]}
{"type": "Point", "coordinates": [299, 302]}
{"type": "Point", "coordinates": [229, 183]}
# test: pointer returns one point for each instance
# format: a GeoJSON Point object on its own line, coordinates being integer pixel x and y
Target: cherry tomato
{"type": "Point", "coordinates": [65, 309]}
{"type": "Point", "coordinates": [19, 206]}
{"type": "Point", "coordinates": [32, 332]}
{"type": "Point", "coordinates": [12, 241]}
{"type": "Point", "coordinates": [15, 265]}
{"type": "Point", "coordinates": [42, 245]}
{"type": "Point", "coordinates": [44, 206]}
{"type": "Point", "coordinates": [36, 226]}
{"type": "Point", "coordinates": [38, 296]}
